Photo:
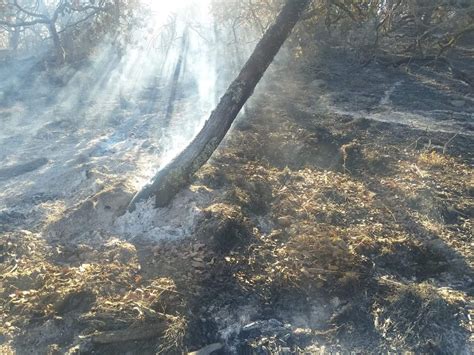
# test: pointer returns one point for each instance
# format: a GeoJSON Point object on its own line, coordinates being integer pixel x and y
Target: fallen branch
{"type": "Point", "coordinates": [130, 334]}
{"type": "Point", "coordinates": [207, 349]}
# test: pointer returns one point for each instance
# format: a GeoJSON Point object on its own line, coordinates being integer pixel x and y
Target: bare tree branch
{"type": "Point", "coordinates": [28, 12]}
{"type": "Point", "coordinates": [24, 23]}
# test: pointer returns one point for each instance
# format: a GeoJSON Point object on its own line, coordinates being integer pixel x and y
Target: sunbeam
{"type": "Point", "coordinates": [236, 176]}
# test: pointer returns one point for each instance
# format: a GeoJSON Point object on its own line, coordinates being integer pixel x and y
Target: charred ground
{"type": "Point", "coordinates": [337, 215]}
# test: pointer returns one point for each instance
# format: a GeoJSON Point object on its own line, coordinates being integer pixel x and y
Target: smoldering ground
{"type": "Point", "coordinates": [333, 218]}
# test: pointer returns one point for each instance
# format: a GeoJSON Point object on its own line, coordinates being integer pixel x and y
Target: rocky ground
{"type": "Point", "coordinates": [336, 216]}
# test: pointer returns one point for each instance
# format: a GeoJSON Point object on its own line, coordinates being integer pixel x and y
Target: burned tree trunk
{"type": "Point", "coordinates": [178, 173]}
{"type": "Point", "coordinates": [60, 54]}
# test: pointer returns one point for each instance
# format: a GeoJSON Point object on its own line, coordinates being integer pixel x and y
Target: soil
{"type": "Point", "coordinates": [336, 216]}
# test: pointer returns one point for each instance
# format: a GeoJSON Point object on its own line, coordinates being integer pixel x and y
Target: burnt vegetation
{"type": "Point", "coordinates": [335, 214]}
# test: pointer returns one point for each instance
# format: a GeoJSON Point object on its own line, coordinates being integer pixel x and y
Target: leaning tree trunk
{"type": "Point", "coordinates": [178, 173]}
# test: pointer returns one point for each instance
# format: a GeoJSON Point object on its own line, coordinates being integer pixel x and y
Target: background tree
{"type": "Point", "coordinates": [63, 18]}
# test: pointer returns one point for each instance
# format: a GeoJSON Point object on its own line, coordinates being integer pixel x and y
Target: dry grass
{"type": "Point", "coordinates": [387, 210]}
{"type": "Point", "coordinates": [433, 159]}
{"type": "Point", "coordinates": [104, 294]}
{"type": "Point", "coordinates": [419, 318]}
{"type": "Point", "coordinates": [379, 246]}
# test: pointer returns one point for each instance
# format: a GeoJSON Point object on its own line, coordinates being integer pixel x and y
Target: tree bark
{"type": "Point", "coordinates": [178, 173]}
{"type": "Point", "coordinates": [58, 48]}
{"type": "Point", "coordinates": [14, 39]}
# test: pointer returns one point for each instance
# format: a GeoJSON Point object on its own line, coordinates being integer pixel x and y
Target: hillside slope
{"type": "Point", "coordinates": [336, 216]}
